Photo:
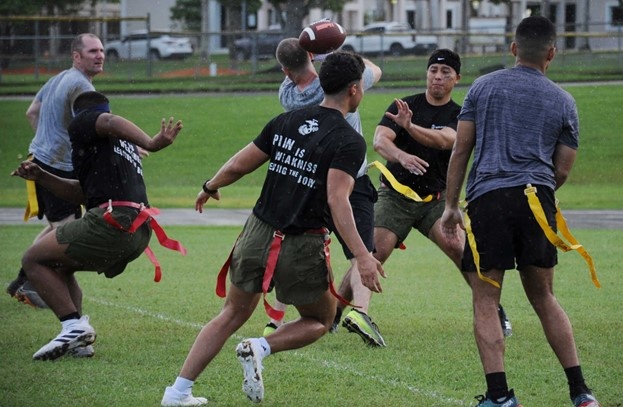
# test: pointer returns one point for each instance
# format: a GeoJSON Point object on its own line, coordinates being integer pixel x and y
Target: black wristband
{"type": "Point", "coordinates": [208, 191]}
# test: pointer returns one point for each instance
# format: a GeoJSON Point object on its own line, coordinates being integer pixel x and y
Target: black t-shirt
{"type": "Point", "coordinates": [303, 145]}
{"type": "Point", "coordinates": [431, 117]}
{"type": "Point", "coordinates": [107, 167]}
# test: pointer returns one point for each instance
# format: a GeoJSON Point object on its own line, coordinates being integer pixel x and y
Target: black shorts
{"type": "Point", "coordinates": [53, 207]}
{"type": "Point", "coordinates": [507, 233]}
{"type": "Point", "coordinates": [362, 201]}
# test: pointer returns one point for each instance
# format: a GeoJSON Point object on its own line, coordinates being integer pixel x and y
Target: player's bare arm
{"type": "Point", "coordinates": [339, 188]}
{"type": "Point", "coordinates": [457, 169]}
{"type": "Point", "coordinates": [110, 125]}
{"type": "Point", "coordinates": [242, 163]}
{"type": "Point", "coordinates": [564, 157]}
{"type": "Point", "coordinates": [67, 189]}
{"type": "Point", "coordinates": [384, 144]}
{"type": "Point", "coordinates": [441, 139]}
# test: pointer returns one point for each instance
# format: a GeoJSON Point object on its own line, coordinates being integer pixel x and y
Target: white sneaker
{"type": "Point", "coordinates": [76, 335]}
{"type": "Point", "coordinates": [250, 356]}
{"type": "Point", "coordinates": [82, 352]}
{"type": "Point", "coordinates": [174, 398]}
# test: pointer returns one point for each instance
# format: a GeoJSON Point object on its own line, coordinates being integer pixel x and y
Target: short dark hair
{"type": "Point", "coordinates": [89, 101]}
{"type": "Point", "coordinates": [291, 55]}
{"type": "Point", "coordinates": [340, 69]}
{"type": "Point", "coordinates": [534, 37]}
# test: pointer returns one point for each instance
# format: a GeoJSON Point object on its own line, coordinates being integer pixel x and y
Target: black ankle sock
{"type": "Point", "coordinates": [575, 379]}
{"type": "Point", "coordinates": [21, 273]}
{"type": "Point", "coordinates": [497, 387]}
{"type": "Point", "coordinates": [73, 315]}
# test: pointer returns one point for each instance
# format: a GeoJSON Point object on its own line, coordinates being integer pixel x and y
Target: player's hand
{"type": "Point", "coordinates": [167, 135]}
{"type": "Point", "coordinates": [412, 163]}
{"type": "Point", "coordinates": [451, 221]}
{"type": "Point", "coordinates": [403, 116]}
{"type": "Point", "coordinates": [28, 170]}
{"type": "Point", "coordinates": [142, 152]}
{"type": "Point", "coordinates": [369, 270]}
{"type": "Point", "coordinates": [203, 197]}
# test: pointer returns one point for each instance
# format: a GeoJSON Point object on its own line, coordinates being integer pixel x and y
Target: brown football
{"type": "Point", "coordinates": [322, 37]}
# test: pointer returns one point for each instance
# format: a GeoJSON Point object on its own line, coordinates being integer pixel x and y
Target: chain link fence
{"type": "Point", "coordinates": [35, 47]}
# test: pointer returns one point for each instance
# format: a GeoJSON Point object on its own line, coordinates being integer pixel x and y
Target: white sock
{"type": "Point", "coordinates": [183, 385]}
{"type": "Point", "coordinates": [68, 323]}
{"type": "Point", "coordinates": [265, 347]}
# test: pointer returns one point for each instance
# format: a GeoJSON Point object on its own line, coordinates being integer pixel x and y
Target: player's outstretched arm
{"type": "Point", "coordinates": [110, 125]}
{"type": "Point", "coordinates": [67, 189]}
{"type": "Point", "coordinates": [384, 144]}
{"type": "Point", "coordinates": [242, 163]}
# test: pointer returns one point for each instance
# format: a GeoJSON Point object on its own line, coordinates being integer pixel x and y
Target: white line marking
{"type": "Point", "coordinates": [323, 362]}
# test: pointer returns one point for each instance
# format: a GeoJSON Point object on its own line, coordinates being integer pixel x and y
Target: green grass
{"type": "Point", "coordinates": [145, 331]}
{"type": "Point", "coordinates": [264, 75]}
{"type": "Point", "coordinates": [217, 125]}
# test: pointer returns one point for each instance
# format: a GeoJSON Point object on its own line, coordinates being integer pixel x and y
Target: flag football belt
{"type": "Point", "coordinates": [539, 215]}
{"type": "Point", "coordinates": [403, 189]}
{"type": "Point", "coordinates": [271, 262]}
{"type": "Point", "coordinates": [144, 214]}
{"type": "Point", "coordinates": [32, 205]}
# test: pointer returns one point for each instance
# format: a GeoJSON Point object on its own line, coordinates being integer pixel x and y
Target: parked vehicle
{"type": "Point", "coordinates": [389, 38]}
{"type": "Point", "coordinates": [160, 45]}
{"type": "Point", "coordinates": [262, 44]}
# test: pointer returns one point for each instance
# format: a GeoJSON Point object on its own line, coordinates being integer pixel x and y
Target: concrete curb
{"type": "Point", "coordinates": [577, 219]}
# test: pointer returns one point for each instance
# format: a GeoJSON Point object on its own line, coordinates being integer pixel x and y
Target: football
{"type": "Point", "coordinates": [322, 37]}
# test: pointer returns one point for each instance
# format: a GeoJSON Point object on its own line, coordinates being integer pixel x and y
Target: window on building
{"type": "Point", "coordinates": [617, 16]}
{"type": "Point", "coordinates": [449, 19]}
{"type": "Point", "coordinates": [614, 15]}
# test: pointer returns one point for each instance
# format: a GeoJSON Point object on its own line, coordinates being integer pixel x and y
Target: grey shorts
{"type": "Point", "coordinates": [101, 247]}
{"type": "Point", "coordinates": [400, 214]}
{"type": "Point", "coordinates": [301, 273]}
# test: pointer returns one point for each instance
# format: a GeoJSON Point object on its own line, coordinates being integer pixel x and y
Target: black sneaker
{"type": "Point", "coordinates": [507, 328]}
{"type": "Point", "coordinates": [29, 296]}
{"type": "Point", "coordinates": [361, 324]}
{"type": "Point", "coordinates": [336, 321]}
{"type": "Point", "coordinates": [16, 284]}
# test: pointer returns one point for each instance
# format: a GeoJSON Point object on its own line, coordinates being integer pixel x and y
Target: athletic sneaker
{"type": "Point", "coordinates": [250, 356]}
{"type": "Point", "coordinates": [269, 329]}
{"type": "Point", "coordinates": [509, 401]}
{"type": "Point", "coordinates": [336, 321]}
{"type": "Point", "coordinates": [173, 398]}
{"type": "Point", "coordinates": [507, 328]}
{"type": "Point", "coordinates": [16, 284]}
{"type": "Point", "coordinates": [586, 400]}
{"type": "Point", "coordinates": [361, 324]}
{"type": "Point", "coordinates": [81, 352]}
{"type": "Point", "coordinates": [78, 334]}
{"type": "Point", "coordinates": [28, 295]}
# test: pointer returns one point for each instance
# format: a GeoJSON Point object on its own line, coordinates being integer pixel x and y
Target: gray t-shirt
{"type": "Point", "coordinates": [520, 117]}
{"type": "Point", "coordinates": [291, 98]}
{"type": "Point", "coordinates": [51, 143]}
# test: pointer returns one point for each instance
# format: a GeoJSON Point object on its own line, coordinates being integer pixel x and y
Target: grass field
{"type": "Point", "coordinates": [145, 330]}
{"type": "Point", "coordinates": [216, 126]}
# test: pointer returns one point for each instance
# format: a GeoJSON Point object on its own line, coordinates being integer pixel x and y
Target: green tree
{"type": "Point", "coordinates": [9, 29]}
{"type": "Point", "coordinates": [293, 12]}
{"type": "Point", "coordinates": [188, 12]}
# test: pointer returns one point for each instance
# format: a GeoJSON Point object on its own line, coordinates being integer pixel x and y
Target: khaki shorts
{"type": "Point", "coordinates": [400, 214]}
{"type": "Point", "coordinates": [101, 247]}
{"type": "Point", "coordinates": [301, 273]}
